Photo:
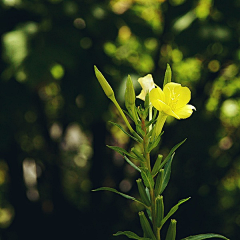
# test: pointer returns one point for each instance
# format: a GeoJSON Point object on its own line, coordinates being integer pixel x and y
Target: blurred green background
{"type": "Point", "coordinates": [53, 114]}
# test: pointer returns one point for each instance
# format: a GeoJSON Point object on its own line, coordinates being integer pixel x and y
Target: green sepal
{"type": "Point", "coordinates": [171, 152]}
{"type": "Point", "coordinates": [130, 235]}
{"type": "Point", "coordinates": [168, 75]}
{"type": "Point", "coordinates": [173, 210]}
{"type": "Point", "coordinates": [136, 137]}
{"type": "Point", "coordinates": [159, 210]}
{"type": "Point", "coordinates": [138, 155]}
{"type": "Point", "coordinates": [142, 192]}
{"type": "Point", "coordinates": [122, 151]}
{"type": "Point", "coordinates": [147, 178]}
{"type": "Point", "coordinates": [146, 106]}
{"type": "Point", "coordinates": [171, 233]}
{"type": "Point", "coordinates": [159, 182]}
{"type": "Point", "coordinates": [122, 194]}
{"type": "Point", "coordinates": [204, 236]}
{"type": "Point", "coordinates": [157, 165]}
{"type": "Point", "coordinates": [131, 163]}
{"type": "Point", "coordinates": [148, 232]}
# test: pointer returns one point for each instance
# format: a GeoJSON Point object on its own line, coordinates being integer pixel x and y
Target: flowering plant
{"type": "Point", "coordinates": [149, 120]}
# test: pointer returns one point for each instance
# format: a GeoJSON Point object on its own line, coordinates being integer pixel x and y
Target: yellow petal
{"type": "Point", "coordinates": [185, 111]}
{"type": "Point", "coordinates": [167, 110]}
{"type": "Point", "coordinates": [184, 96]}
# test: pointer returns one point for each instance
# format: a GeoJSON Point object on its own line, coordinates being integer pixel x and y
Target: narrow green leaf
{"type": "Point", "coordinates": [167, 174]}
{"type": "Point", "coordinates": [132, 164]}
{"type": "Point", "coordinates": [122, 151]}
{"type": "Point", "coordinates": [205, 236]}
{"type": "Point", "coordinates": [173, 210]}
{"type": "Point", "coordinates": [122, 194]}
{"type": "Point", "coordinates": [138, 155]}
{"type": "Point", "coordinates": [147, 177]}
{"type": "Point", "coordinates": [131, 235]}
{"type": "Point", "coordinates": [171, 152]}
{"type": "Point", "coordinates": [135, 138]}
{"type": "Point", "coordinates": [168, 75]}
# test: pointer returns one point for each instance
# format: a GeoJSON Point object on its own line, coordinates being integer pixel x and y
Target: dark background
{"type": "Point", "coordinates": [53, 114]}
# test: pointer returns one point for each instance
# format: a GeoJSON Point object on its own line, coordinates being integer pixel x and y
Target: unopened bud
{"type": "Point", "coordinates": [104, 83]}
{"type": "Point", "coordinates": [171, 233]}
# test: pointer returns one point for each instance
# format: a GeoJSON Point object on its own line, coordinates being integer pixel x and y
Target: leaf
{"type": "Point", "coordinates": [122, 151]}
{"type": "Point", "coordinates": [173, 210]}
{"type": "Point", "coordinates": [171, 152]}
{"type": "Point", "coordinates": [131, 235]}
{"type": "Point", "coordinates": [204, 236]}
{"type": "Point", "coordinates": [132, 164]}
{"type": "Point", "coordinates": [121, 128]}
{"type": "Point", "coordinates": [167, 174]}
{"type": "Point", "coordinates": [147, 178]}
{"type": "Point", "coordinates": [122, 194]}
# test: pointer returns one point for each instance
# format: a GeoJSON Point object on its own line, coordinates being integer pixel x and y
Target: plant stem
{"type": "Point", "coordinates": [152, 194]}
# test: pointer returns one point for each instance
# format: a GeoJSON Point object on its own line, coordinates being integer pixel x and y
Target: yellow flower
{"type": "Point", "coordinates": [172, 100]}
{"type": "Point", "coordinates": [147, 85]}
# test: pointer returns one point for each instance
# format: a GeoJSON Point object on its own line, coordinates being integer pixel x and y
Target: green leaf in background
{"type": "Point", "coordinates": [147, 178]}
{"type": "Point", "coordinates": [204, 236]}
{"type": "Point", "coordinates": [131, 235]}
{"type": "Point", "coordinates": [122, 194]}
{"type": "Point", "coordinates": [173, 210]}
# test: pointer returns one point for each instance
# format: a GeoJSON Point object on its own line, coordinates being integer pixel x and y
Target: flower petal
{"type": "Point", "coordinates": [142, 95]}
{"type": "Point", "coordinates": [147, 85]}
{"type": "Point", "coordinates": [185, 111]}
{"type": "Point", "coordinates": [155, 95]}
{"type": "Point", "coordinates": [184, 96]}
{"type": "Point", "coordinates": [167, 110]}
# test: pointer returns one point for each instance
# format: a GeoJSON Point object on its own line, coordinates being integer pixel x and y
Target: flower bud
{"type": "Point", "coordinates": [157, 165]}
{"type": "Point", "coordinates": [159, 182]}
{"type": "Point", "coordinates": [104, 84]}
{"type": "Point", "coordinates": [130, 99]}
{"type": "Point", "coordinates": [148, 232]}
{"type": "Point", "coordinates": [159, 210]}
{"type": "Point", "coordinates": [171, 233]}
{"type": "Point", "coordinates": [143, 193]}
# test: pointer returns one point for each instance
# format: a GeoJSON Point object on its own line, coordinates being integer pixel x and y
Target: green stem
{"type": "Point", "coordinates": [152, 194]}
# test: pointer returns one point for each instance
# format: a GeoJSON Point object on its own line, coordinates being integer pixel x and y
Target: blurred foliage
{"type": "Point", "coordinates": [53, 117]}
